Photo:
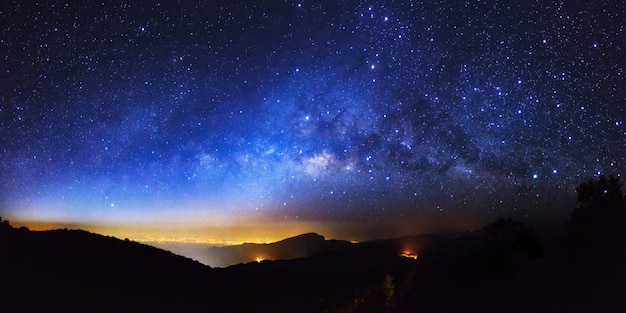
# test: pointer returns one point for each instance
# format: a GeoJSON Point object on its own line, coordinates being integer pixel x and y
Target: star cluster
{"type": "Point", "coordinates": [311, 110]}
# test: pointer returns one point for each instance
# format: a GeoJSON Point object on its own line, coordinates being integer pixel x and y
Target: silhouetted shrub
{"type": "Point", "coordinates": [509, 243]}
{"type": "Point", "coordinates": [600, 218]}
{"type": "Point", "coordinates": [507, 230]}
{"type": "Point", "coordinates": [388, 288]}
{"type": "Point", "coordinates": [601, 192]}
{"type": "Point", "coordinates": [532, 247]}
{"type": "Point", "coordinates": [4, 224]}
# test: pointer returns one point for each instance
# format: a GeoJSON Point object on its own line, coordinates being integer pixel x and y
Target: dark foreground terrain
{"type": "Point", "coordinates": [503, 268]}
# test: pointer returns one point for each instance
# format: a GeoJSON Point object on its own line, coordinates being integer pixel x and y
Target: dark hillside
{"type": "Point", "coordinates": [74, 270]}
{"type": "Point", "coordinates": [506, 267]}
{"type": "Point", "coordinates": [300, 246]}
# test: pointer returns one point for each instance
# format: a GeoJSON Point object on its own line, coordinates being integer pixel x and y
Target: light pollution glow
{"type": "Point", "coordinates": [217, 123]}
{"type": "Point", "coordinates": [261, 231]}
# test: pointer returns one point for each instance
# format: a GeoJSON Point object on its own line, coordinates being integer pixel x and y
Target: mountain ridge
{"type": "Point", "coordinates": [488, 271]}
{"type": "Point", "coordinates": [76, 270]}
{"type": "Point", "coordinates": [299, 246]}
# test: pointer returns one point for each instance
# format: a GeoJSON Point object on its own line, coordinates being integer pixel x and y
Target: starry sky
{"type": "Point", "coordinates": [225, 120]}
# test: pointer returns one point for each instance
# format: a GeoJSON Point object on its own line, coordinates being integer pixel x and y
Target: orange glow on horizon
{"type": "Point", "coordinates": [409, 254]}
{"type": "Point", "coordinates": [261, 232]}
{"type": "Point", "coordinates": [248, 229]}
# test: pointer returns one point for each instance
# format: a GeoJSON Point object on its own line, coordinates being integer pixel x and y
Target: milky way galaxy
{"type": "Point", "coordinates": [227, 113]}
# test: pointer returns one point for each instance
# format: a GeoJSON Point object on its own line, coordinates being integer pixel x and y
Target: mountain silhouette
{"type": "Point", "coordinates": [482, 271]}
{"type": "Point", "coordinates": [300, 246]}
{"type": "Point", "coordinates": [74, 270]}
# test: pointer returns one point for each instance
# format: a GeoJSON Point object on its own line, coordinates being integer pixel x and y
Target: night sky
{"type": "Point", "coordinates": [236, 120]}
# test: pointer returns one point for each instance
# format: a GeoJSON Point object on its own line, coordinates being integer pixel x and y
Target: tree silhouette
{"type": "Point", "coordinates": [507, 230]}
{"type": "Point", "coordinates": [509, 243]}
{"type": "Point", "coordinates": [388, 288]}
{"type": "Point", "coordinates": [601, 215]}
{"type": "Point", "coordinates": [601, 192]}
{"type": "Point", "coordinates": [4, 223]}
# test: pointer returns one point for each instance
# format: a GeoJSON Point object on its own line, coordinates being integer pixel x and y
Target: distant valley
{"type": "Point", "coordinates": [506, 267]}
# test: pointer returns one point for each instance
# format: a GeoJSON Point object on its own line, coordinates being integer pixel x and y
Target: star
{"type": "Point", "coordinates": [206, 112]}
